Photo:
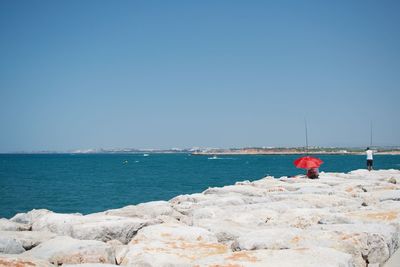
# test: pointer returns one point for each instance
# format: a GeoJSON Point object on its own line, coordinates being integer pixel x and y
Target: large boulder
{"type": "Point", "coordinates": [303, 217]}
{"type": "Point", "coordinates": [371, 242]}
{"type": "Point", "coordinates": [92, 227]}
{"type": "Point", "coordinates": [64, 249]}
{"type": "Point", "coordinates": [29, 217]}
{"type": "Point", "coordinates": [272, 238]}
{"type": "Point", "coordinates": [230, 222]}
{"type": "Point", "coordinates": [58, 223]}
{"type": "Point", "coordinates": [173, 232]}
{"type": "Point", "coordinates": [105, 228]}
{"type": "Point", "coordinates": [171, 245]}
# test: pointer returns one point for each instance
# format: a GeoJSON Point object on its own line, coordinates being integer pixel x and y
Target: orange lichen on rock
{"type": "Point", "coordinates": [387, 216]}
{"type": "Point", "coordinates": [211, 248]}
{"type": "Point", "coordinates": [276, 189]}
{"type": "Point", "coordinates": [353, 238]}
{"type": "Point", "coordinates": [16, 263]}
{"type": "Point", "coordinates": [226, 265]}
{"type": "Point", "coordinates": [195, 250]}
{"type": "Point", "coordinates": [152, 249]}
{"type": "Point", "coordinates": [165, 235]}
{"type": "Point", "coordinates": [242, 256]}
{"type": "Point", "coordinates": [391, 187]}
{"type": "Point", "coordinates": [302, 249]}
{"type": "Point", "coordinates": [380, 216]}
{"type": "Point", "coordinates": [295, 239]}
{"type": "Point", "coordinates": [346, 236]}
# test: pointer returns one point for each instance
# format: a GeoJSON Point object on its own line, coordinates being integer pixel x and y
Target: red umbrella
{"type": "Point", "coordinates": [307, 162]}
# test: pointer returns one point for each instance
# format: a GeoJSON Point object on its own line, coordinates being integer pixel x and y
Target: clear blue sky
{"type": "Point", "coordinates": [161, 74]}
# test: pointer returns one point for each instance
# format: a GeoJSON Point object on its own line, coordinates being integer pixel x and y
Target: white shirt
{"type": "Point", "coordinates": [369, 154]}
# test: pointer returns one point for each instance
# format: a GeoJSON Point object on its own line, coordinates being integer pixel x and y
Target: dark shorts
{"type": "Point", "coordinates": [369, 162]}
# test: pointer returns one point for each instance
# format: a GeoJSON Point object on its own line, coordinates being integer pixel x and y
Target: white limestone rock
{"type": "Point", "coordinates": [226, 231]}
{"type": "Point", "coordinates": [372, 242]}
{"type": "Point", "coordinates": [310, 257]}
{"type": "Point", "coordinates": [92, 227]}
{"type": "Point", "coordinates": [9, 260]}
{"type": "Point", "coordinates": [120, 250]}
{"type": "Point", "coordinates": [171, 245]}
{"type": "Point", "coordinates": [105, 228]}
{"type": "Point", "coordinates": [307, 217]}
{"type": "Point", "coordinates": [29, 217]}
{"type": "Point", "coordinates": [186, 203]}
{"type": "Point", "coordinates": [390, 195]}
{"type": "Point", "coordinates": [272, 238]}
{"type": "Point", "coordinates": [58, 223]}
{"type": "Point", "coordinates": [28, 239]}
{"type": "Point", "coordinates": [372, 215]}
{"type": "Point", "coordinates": [242, 190]}
{"type": "Point", "coordinates": [7, 225]}
{"type": "Point", "coordinates": [171, 232]}
{"type": "Point", "coordinates": [9, 245]}
{"type": "Point", "coordinates": [64, 249]}
{"type": "Point", "coordinates": [89, 265]}
{"type": "Point", "coordinates": [149, 210]}
{"type": "Point", "coordinates": [232, 221]}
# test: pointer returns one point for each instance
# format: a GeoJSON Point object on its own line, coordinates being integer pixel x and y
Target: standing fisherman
{"type": "Point", "coordinates": [369, 158]}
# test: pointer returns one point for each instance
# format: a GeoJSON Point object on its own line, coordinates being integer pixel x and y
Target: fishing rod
{"type": "Point", "coordinates": [305, 126]}
{"type": "Point", "coordinates": [370, 140]}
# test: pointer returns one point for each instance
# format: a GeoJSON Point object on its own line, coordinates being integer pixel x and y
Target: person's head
{"type": "Point", "coordinates": [367, 148]}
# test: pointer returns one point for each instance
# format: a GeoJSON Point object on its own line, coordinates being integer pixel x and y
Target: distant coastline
{"type": "Point", "coordinates": [229, 151]}
{"type": "Point", "coordinates": [294, 151]}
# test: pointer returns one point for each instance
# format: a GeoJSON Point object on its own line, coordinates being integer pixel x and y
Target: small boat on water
{"type": "Point", "coordinates": [145, 155]}
{"type": "Point", "coordinates": [214, 157]}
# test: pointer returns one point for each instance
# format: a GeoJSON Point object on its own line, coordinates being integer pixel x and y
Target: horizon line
{"type": "Point", "coordinates": [185, 149]}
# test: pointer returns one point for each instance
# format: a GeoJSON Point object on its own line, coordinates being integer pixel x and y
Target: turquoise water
{"type": "Point", "coordinates": [97, 182]}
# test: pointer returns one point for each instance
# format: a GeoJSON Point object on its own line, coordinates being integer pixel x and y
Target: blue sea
{"type": "Point", "coordinates": [89, 183]}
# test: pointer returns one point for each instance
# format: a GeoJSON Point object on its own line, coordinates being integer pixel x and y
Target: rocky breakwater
{"type": "Point", "coordinates": [350, 219]}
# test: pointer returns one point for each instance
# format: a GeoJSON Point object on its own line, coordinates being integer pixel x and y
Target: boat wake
{"type": "Point", "coordinates": [215, 157]}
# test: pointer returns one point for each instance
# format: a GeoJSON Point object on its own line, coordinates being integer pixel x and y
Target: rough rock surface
{"type": "Point", "coordinates": [29, 217]}
{"type": "Point", "coordinates": [9, 245]}
{"type": "Point", "coordinates": [64, 249]}
{"type": "Point", "coordinates": [28, 239]}
{"type": "Point", "coordinates": [310, 257]}
{"type": "Point", "coordinates": [170, 244]}
{"type": "Point", "coordinates": [161, 210]}
{"type": "Point", "coordinates": [8, 225]}
{"type": "Point", "coordinates": [89, 265]}
{"type": "Point", "coordinates": [341, 219]}
{"type": "Point", "coordinates": [8, 260]}
{"type": "Point", "coordinates": [91, 227]}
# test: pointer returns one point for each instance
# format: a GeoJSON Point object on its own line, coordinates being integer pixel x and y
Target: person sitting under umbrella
{"type": "Point", "coordinates": [311, 164]}
{"type": "Point", "coordinates": [313, 173]}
